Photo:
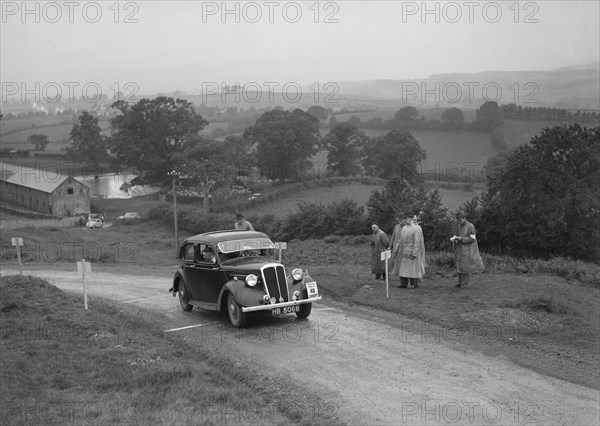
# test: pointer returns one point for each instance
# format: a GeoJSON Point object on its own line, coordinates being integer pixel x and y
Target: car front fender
{"type": "Point", "coordinates": [244, 295]}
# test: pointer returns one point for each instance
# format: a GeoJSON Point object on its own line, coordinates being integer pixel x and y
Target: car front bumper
{"type": "Point", "coordinates": [280, 305]}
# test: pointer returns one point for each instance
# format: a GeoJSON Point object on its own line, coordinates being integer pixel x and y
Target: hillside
{"type": "Point", "coordinates": [576, 87]}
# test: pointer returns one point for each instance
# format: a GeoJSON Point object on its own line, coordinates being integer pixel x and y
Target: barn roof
{"type": "Point", "coordinates": [38, 179]}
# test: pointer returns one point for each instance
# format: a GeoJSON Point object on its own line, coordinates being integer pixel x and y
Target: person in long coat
{"type": "Point", "coordinates": [466, 251]}
{"type": "Point", "coordinates": [409, 253]}
{"type": "Point", "coordinates": [379, 243]}
{"type": "Point", "coordinates": [395, 238]}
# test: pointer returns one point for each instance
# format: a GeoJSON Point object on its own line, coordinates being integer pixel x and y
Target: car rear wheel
{"type": "Point", "coordinates": [183, 298]}
{"type": "Point", "coordinates": [304, 311]}
{"type": "Point", "coordinates": [236, 316]}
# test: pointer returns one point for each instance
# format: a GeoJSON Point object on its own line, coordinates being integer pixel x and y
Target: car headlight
{"type": "Point", "coordinates": [297, 274]}
{"type": "Point", "coordinates": [251, 280]}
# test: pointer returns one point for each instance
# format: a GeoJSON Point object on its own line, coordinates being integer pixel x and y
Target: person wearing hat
{"type": "Point", "coordinates": [409, 253]}
{"type": "Point", "coordinates": [242, 224]}
{"type": "Point", "coordinates": [379, 243]}
{"type": "Point", "coordinates": [466, 251]}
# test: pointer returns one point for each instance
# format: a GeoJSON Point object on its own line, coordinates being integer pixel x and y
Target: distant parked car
{"type": "Point", "coordinates": [94, 223]}
{"type": "Point", "coordinates": [129, 217]}
{"type": "Point", "coordinates": [92, 216]}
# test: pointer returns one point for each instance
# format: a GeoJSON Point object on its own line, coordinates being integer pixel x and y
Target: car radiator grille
{"type": "Point", "coordinates": [274, 278]}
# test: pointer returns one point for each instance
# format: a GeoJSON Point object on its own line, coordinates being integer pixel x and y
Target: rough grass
{"type": "Point", "coordinates": [546, 308]}
{"type": "Point", "coordinates": [64, 365]}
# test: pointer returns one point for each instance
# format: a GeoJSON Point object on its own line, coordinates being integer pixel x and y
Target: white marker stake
{"type": "Point", "coordinates": [18, 242]}
{"type": "Point", "coordinates": [385, 255]}
{"type": "Point", "coordinates": [280, 246]}
{"type": "Point", "coordinates": [84, 267]}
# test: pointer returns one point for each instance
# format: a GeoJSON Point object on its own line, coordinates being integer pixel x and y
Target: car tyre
{"type": "Point", "coordinates": [236, 316]}
{"type": "Point", "coordinates": [183, 298]}
{"type": "Point", "coordinates": [304, 311]}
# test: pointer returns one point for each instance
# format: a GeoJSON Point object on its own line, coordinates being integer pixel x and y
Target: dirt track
{"type": "Point", "coordinates": [364, 370]}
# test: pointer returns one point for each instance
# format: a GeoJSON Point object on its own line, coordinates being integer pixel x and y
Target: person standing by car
{"type": "Point", "coordinates": [466, 251]}
{"type": "Point", "coordinates": [379, 243]}
{"type": "Point", "coordinates": [241, 224]}
{"type": "Point", "coordinates": [410, 253]}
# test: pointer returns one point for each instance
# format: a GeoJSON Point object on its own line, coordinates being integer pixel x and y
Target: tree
{"type": "Point", "coordinates": [489, 116]}
{"type": "Point", "coordinates": [318, 112]}
{"type": "Point", "coordinates": [149, 134]}
{"type": "Point", "coordinates": [88, 146]}
{"type": "Point", "coordinates": [406, 116]}
{"type": "Point", "coordinates": [285, 142]}
{"type": "Point", "coordinates": [204, 162]}
{"type": "Point", "coordinates": [396, 197]}
{"type": "Point", "coordinates": [453, 117]}
{"type": "Point", "coordinates": [345, 143]}
{"type": "Point", "coordinates": [548, 198]}
{"type": "Point", "coordinates": [498, 142]}
{"type": "Point", "coordinates": [40, 141]}
{"type": "Point", "coordinates": [435, 220]}
{"type": "Point", "coordinates": [239, 153]}
{"type": "Point", "coordinates": [395, 154]}
{"type": "Point", "coordinates": [354, 120]}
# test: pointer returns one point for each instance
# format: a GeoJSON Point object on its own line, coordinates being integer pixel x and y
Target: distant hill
{"type": "Point", "coordinates": [576, 87]}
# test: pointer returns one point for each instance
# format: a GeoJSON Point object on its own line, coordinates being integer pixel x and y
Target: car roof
{"type": "Point", "coordinates": [216, 237]}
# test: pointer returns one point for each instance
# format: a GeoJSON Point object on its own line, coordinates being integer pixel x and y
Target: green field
{"type": "Point", "coordinates": [454, 156]}
{"type": "Point", "coordinates": [16, 132]}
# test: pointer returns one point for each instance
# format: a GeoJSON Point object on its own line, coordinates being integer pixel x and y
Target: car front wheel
{"type": "Point", "coordinates": [304, 311]}
{"type": "Point", "coordinates": [236, 316]}
{"type": "Point", "coordinates": [183, 299]}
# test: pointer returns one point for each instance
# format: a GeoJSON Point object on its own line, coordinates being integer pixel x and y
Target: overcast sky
{"type": "Point", "coordinates": [167, 46]}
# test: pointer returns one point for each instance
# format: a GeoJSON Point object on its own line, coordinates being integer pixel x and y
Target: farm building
{"type": "Point", "coordinates": [44, 191]}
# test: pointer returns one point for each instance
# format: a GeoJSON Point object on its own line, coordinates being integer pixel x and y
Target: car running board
{"type": "Point", "coordinates": [203, 305]}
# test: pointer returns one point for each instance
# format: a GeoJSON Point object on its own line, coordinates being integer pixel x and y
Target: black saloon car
{"type": "Point", "coordinates": [237, 271]}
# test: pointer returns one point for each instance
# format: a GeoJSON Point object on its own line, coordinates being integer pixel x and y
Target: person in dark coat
{"type": "Point", "coordinates": [379, 243]}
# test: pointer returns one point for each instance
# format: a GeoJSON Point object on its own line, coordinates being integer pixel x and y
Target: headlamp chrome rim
{"type": "Point", "coordinates": [251, 280]}
{"type": "Point", "coordinates": [297, 274]}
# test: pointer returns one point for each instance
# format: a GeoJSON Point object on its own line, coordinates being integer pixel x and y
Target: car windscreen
{"type": "Point", "coordinates": [241, 245]}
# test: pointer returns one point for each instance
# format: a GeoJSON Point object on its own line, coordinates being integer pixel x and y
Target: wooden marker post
{"type": "Point", "coordinates": [84, 267]}
{"type": "Point", "coordinates": [280, 246]}
{"type": "Point", "coordinates": [385, 255]}
{"type": "Point", "coordinates": [18, 242]}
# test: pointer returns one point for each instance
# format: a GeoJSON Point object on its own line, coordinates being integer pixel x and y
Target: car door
{"type": "Point", "coordinates": [209, 274]}
{"type": "Point", "coordinates": [190, 270]}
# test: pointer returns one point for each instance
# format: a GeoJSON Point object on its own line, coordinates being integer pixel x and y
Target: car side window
{"type": "Point", "coordinates": [206, 255]}
{"type": "Point", "coordinates": [188, 252]}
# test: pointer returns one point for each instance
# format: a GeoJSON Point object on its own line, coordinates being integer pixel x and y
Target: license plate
{"type": "Point", "coordinates": [286, 310]}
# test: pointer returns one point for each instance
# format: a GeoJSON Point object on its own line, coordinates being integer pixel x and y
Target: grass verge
{"type": "Point", "coordinates": [64, 365]}
{"type": "Point", "coordinates": [544, 309]}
